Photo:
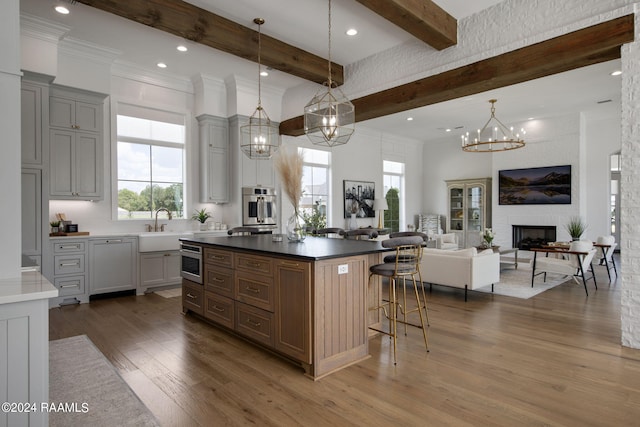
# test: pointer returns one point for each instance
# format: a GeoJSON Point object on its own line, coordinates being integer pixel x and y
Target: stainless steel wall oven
{"type": "Point", "coordinates": [259, 207]}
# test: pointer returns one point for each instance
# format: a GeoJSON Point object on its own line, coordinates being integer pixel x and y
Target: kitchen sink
{"type": "Point", "coordinates": [160, 241]}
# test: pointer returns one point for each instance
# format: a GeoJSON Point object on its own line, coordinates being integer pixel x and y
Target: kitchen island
{"type": "Point", "coordinates": [306, 301]}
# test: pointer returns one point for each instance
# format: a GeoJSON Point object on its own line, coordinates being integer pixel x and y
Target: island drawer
{"type": "Point", "coordinates": [255, 290]}
{"type": "Point", "coordinates": [254, 264]}
{"type": "Point", "coordinates": [219, 309]}
{"type": "Point", "coordinates": [255, 323]}
{"type": "Point", "coordinates": [218, 280]}
{"type": "Point", "coordinates": [218, 257]}
{"type": "Point", "coordinates": [192, 297]}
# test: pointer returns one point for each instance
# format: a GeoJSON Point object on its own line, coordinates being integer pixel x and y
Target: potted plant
{"type": "Point", "coordinates": [575, 227]}
{"type": "Point", "coordinates": [55, 226]}
{"type": "Point", "coordinates": [201, 216]}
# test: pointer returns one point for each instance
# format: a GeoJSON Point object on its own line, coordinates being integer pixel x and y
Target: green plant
{"type": "Point", "coordinates": [316, 219]}
{"type": "Point", "coordinates": [201, 216]}
{"type": "Point", "coordinates": [575, 227]}
{"type": "Point", "coordinates": [54, 223]}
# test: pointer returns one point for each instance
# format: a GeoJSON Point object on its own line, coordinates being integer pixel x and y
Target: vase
{"type": "Point", "coordinates": [353, 224]}
{"type": "Point", "coordinates": [295, 228]}
{"type": "Point", "coordinates": [203, 226]}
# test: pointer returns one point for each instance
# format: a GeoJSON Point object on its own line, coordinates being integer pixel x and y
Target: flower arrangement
{"type": "Point", "coordinates": [487, 237]}
{"type": "Point", "coordinates": [289, 165]}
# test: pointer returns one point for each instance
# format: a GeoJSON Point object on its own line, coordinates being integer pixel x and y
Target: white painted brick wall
{"type": "Point", "coordinates": [630, 196]}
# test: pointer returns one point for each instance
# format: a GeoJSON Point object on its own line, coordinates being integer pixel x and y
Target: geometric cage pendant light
{"type": "Point", "coordinates": [259, 137]}
{"type": "Point", "coordinates": [329, 118]}
{"type": "Point", "coordinates": [494, 136]}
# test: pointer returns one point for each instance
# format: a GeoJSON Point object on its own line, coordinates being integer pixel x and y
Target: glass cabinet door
{"type": "Point", "coordinates": [456, 208]}
{"type": "Point", "coordinates": [475, 213]}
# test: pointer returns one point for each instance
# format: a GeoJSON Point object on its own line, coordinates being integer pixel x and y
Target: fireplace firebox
{"type": "Point", "coordinates": [527, 237]}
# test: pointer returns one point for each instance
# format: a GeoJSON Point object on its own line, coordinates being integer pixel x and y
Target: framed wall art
{"type": "Point", "coordinates": [549, 185]}
{"type": "Point", "coordinates": [358, 198]}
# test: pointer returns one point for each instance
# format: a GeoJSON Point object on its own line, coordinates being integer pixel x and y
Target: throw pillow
{"type": "Point", "coordinates": [485, 252]}
{"type": "Point", "coordinates": [448, 238]}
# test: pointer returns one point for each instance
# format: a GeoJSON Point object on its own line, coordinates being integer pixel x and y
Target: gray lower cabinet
{"type": "Point", "coordinates": [32, 214]}
{"type": "Point", "coordinates": [69, 273]}
{"type": "Point", "coordinates": [113, 264]}
{"type": "Point", "coordinates": [159, 269]}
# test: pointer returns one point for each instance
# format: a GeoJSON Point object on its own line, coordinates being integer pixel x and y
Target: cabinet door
{"type": "Point", "coordinates": [62, 112]}
{"type": "Point", "coordinates": [31, 124]}
{"type": "Point", "coordinates": [293, 309]}
{"type": "Point", "coordinates": [88, 158]}
{"type": "Point", "coordinates": [172, 261]}
{"type": "Point", "coordinates": [31, 211]}
{"type": "Point", "coordinates": [112, 265]}
{"type": "Point", "coordinates": [217, 173]}
{"type": "Point", "coordinates": [88, 116]}
{"type": "Point", "coordinates": [152, 269]}
{"type": "Point", "coordinates": [456, 208]}
{"type": "Point", "coordinates": [475, 214]}
{"type": "Point", "coordinates": [62, 155]}
{"type": "Point", "coordinates": [214, 165]}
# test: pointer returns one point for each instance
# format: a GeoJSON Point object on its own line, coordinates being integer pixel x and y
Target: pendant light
{"type": "Point", "coordinates": [329, 118]}
{"type": "Point", "coordinates": [494, 136]}
{"type": "Point", "coordinates": [260, 138]}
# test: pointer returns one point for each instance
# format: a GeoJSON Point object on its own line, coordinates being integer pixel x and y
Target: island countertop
{"type": "Point", "coordinates": [312, 248]}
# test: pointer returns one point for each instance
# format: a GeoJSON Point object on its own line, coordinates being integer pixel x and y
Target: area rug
{"type": "Point", "coordinates": [170, 293]}
{"type": "Point", "coordinates": [517, 283]}
{"type": "Point", "coordinates": [88, 388]}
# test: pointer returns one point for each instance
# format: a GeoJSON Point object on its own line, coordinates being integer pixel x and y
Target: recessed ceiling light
{"type": "Point", "coordinates": [62, 10]}
{"type": "Point", "coordinates": [182, 48]}
{"type": "Point", "coordinates": [616, 73]}
{"type": "Point", "coordinates": [529, 118]}
{"type": "Point", "coordinates": [162, 65]}
{"type": "Point", "coordinates": [352, 32]}
{"type": "Point", "coordinates": [409, 119]}
{"type": "Point", "coordinates": [264, 73]}
{"type": "Point", "coordinates": [447, 130]}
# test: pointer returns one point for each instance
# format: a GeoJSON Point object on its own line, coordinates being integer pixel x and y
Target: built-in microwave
{"type": "Point", "coordinates": [191, 262]}
{"type": "Point", "coordinates": [259, 207]}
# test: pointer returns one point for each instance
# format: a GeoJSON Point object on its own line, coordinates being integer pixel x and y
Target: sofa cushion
{"type": "Point", "coordinates": [487, 251]}
{"type": "Point", "coordinates": [449, 238]}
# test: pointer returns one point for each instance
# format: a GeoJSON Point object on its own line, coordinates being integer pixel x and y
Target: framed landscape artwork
{"type": "Point", "coordinates": [549, 185]}
{"type": "Point", "coordinates": [358, 199]}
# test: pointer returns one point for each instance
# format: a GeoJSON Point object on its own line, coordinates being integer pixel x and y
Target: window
{"type": "Point", "coordinates": [315, 187]}
{"type": "Point", "coordinates": [150, 166]}
{"type": "Point", "coordinates": [393, 182]}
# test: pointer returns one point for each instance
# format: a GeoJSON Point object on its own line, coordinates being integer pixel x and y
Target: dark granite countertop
{"type": "Point", "coordinates": [312, 248]}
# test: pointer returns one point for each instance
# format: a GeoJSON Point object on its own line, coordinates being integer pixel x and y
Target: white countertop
{"type": "Point", "coordinates": [99, 235]}
{"type": "Point", "coordinates": [30, 286]}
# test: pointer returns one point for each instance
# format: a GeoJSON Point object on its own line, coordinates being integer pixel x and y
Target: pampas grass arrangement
{"type": "Point", "coordinates": [288, 164]}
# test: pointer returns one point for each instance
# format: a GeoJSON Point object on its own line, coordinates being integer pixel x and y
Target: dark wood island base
{"type": "Point", "coordinates": [307, 302]}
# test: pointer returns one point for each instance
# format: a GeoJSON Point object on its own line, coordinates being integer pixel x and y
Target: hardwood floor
{"type": "Point", "coordinates": [552, 360]}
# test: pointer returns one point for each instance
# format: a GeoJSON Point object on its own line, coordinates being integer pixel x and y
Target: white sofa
{"type": "Point", "coordinates": [466, 268]}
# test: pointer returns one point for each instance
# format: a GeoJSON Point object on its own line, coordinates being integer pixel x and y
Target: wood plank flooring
{"type": "Point", "coordinates": [553, 360]}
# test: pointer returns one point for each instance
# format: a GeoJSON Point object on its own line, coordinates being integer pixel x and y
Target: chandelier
{"type": "Point", "coordinates": [329, 118]}
{"type": "Point", "coordinates": [260, 138]}
{"type": "Point", "coordinates": [494, 136]}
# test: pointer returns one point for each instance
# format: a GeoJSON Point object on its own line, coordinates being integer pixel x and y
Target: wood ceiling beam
{"type": "Point", "coordinates": [199, 25]}
{"type": "Point", "coordinates": [588, 46]}
{"type": "Point", "coordinates": [423, 19]}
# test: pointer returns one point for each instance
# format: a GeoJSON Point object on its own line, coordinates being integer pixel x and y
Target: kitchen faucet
{"type": "Point", "coordinates": [155, 226]}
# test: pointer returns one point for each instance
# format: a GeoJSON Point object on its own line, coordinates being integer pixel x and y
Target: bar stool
{"type": "Point", "coordinates": [328, 232]}
{"type": "Point", "coordinates": [242, 231]}
{"type": "Point", "coordinates": [391, 258]}
{"type": "Point", "coordinates": [360, 234]}
{"type": "Point", "coordinates": [408, 252]}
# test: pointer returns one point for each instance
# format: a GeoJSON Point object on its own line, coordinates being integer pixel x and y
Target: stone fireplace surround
{"type": "Point", "coordinates": [526, 237]}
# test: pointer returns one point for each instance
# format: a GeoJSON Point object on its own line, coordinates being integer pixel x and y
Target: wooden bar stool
{"type": "Point", "coordinates": [408, 252]}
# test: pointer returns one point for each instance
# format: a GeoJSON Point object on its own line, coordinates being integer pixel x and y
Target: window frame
{"type": "Point", "coordinates": [149, 112]}
{"type": "Point", "coordinates": [328, 169]}
{"type": "Point", "coordinates": [401, 191]}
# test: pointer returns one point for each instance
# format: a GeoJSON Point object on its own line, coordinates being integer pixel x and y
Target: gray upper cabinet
{"type": "Point", "coordinates": [76, 145]}
{"type": "Point", "coordinates": [214, 159]}
{"type": "Point", "coordinates": [31, 121]}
